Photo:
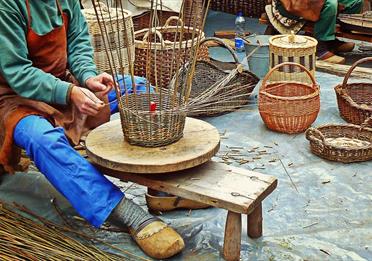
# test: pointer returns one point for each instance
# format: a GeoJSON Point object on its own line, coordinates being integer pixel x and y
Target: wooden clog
{"type": "Point", "coordinates": [158, 240]}
{"type": "Point", "coordinates": [168, 203]}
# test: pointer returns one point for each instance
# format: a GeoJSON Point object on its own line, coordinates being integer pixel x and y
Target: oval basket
{"type": "Point", "coordinates": [341, 142]}
{"type": "Point", "coordinates": [223, 98]}
{"type": "Point", "coordinates": [143, 127]}
{"type": "Point", "coordinates": [288, 106]}
{"type": "Point", "coordinates": [354, 99]}
{"type": "Point", "coordinates": [162, 51]}
{"type": "Point", "coordinates": [117, 29]}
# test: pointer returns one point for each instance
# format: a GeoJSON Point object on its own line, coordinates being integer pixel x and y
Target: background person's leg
{"type": "Point", "coordinates": [91, 194]}
{"type": "Point", "coordinates": [352, 6]}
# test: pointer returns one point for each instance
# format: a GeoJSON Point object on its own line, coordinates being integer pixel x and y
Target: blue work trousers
{"type": "Point", "coordinates": [91, 194]}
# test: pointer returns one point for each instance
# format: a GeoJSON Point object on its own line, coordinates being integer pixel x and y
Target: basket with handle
{"type": "Point", "coordinates": [288, 106]}
{"type": "Point", "coordinates": [211, 94]}
{"type": "Point", "coordinates": [342, 142]}
{"type": "Point", "coordinates": [354, 99]}
{"type": "Point", "coordinates": [118, 29]}
{"type": "Point", "coordinates": [160, 47]}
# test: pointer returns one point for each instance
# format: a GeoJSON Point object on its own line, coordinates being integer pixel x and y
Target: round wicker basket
{"type": "Point", "coordinates": [288, 106]}
{"type": "Point", "coordinates": [147, 127]}
{"type": "Point", "coordinates": [120, 35]}
{"type": "Point", "coordinates": [341, 142]}
{"type": "Point", "coordinates": [160, 47]}
{"type": "Point", "coordinates": [354, 99]}
{"type": "Point", "coordinates": [293, 48]}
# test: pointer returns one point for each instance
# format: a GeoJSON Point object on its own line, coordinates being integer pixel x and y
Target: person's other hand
{"type": "Point", "coordinates": [86, 102]}
{"type": "Point", "coordinates": [102, 83]}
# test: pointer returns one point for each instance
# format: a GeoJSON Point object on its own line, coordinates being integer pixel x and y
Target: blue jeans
{"type": "Point", "coordinates": [91, 194]}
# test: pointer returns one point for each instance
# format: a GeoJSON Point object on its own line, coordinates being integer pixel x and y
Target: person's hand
{"type": "Point", "coordinates": [102, 83]}
{"type": "Point", "coordinates": [86, 102]}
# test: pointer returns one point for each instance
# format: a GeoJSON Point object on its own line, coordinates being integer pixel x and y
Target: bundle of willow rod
{"type": "Point", "coordinates": [157, 116]}
{"type": "Point", "coordinates": [22, 238]}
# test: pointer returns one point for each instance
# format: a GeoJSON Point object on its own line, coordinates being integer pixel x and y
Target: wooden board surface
{"type": "Point", "coordinates": [341, 70]}
{"type": "Point", "coordinates": [217, 184]}
{"type": "Point", "coordinates": [106, 147]}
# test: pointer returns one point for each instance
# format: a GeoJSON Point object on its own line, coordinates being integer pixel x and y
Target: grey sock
{"type": "Point", "coordinates": [129, 214]}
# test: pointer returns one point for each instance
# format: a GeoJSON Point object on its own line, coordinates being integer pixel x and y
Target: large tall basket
{"type": "Point", "coordinates": [158, 46]}
{"type": "Point", "coordinates": [289, 106]}
{"type": "Point", "coordinates": [118, 30]}
{"type": "Point", "coordinates": [355, 99]}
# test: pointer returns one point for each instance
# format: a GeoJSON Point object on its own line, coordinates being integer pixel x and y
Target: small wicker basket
{"type": "Point", "coordinates": [288, 106]}
{"type": "Point", "coordinates": [115, 39]}
{"type": "Point", "coordinates": [292, 48]}
{"type": "Point", "coordinates": [145, 127]}
{"type": "Point", "coordinates": [343, 143]}
{"type": "Point", "coordinates": [354, 99]}
{"type": "Point", "coordinates": [163, 51]}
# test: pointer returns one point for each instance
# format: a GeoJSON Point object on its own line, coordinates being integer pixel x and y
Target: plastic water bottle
{"type": "Point", "coordinates": [239, 32]}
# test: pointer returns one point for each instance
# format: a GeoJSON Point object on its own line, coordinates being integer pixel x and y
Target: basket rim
{"type": "Point", "coordinates": [353, 126]}
{"type": "Point", "coordinates": [315, 88]}
{"type": "Point", "coordinates": [340, 91]}
{"type": "Point", "coordinates": [311, 39]}
{"type": "Point", "coordinates": [167, 44]}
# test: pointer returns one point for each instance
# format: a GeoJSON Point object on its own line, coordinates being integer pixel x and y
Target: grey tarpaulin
{"type": "Point", "coordinates": [325, 213]}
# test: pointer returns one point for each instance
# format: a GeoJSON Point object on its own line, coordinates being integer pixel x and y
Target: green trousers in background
{"type": "Point", "coordinates": [324, 29]}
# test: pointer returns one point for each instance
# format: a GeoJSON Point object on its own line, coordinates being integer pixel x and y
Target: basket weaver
{"type": "Point", "coordinates": [211, 94]}
{"type": "Point", "coordinates": [288, 106]}
{"type": "Point", "coordinates": [354, 99]}
{"type": "Point", "coordinates": [112, 20]}
{"type": "Point", "coordinates": [163, 48]}
{"type": "Point", "coordinates": [341, 142]}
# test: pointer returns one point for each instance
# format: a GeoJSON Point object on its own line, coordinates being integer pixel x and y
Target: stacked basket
{"type": "Point", "coordinates": [117, 30]}
{"type": "Point", "coordinates": [252, 8]}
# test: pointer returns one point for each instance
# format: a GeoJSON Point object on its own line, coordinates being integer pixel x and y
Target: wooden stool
{"type": "Point", "coordinates": [237, 190]}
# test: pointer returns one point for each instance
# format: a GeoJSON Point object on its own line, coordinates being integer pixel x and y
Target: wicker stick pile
{"type": "Point", "coordinates": [22, 238]}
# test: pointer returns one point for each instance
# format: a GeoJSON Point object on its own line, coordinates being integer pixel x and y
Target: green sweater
{"type": "Point", "coordinates": [15, 66]}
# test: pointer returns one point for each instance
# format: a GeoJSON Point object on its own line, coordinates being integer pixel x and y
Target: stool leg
{"type": "Point", "coordinates": [233, 232]}
{"type": "Point", "coordinates": [255, 222]}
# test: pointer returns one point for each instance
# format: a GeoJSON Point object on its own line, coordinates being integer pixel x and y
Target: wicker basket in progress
{"type": "Point", "coordinates": [354, 99]}
{"type": "Point", "coordinates": [112, 20]}
{"type": "Point", "coordinates": [343, 143]}
{"type": "Point", "coordinates": [147, 127]}
{"type": "Point", "coordinates": [226, 97]}
{"type": "Point", "coordinates": [288, 106]}
{"type": "Point", "coordinates": [163, 51]}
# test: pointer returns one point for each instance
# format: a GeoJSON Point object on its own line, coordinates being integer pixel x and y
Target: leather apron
{"type": "Point", "coordinates": [49, 53]}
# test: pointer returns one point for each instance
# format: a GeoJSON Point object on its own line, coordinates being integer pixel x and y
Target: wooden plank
{"type": "Point", "coordinates": [216, 184]}
{"type": "Point", "coordinates": [106, 147]}
{"type": "Point", "coordinates": [232, 240]}
{"type": "Point", "coordinates": [254, 222]}
{"type": "Point", "coordinates": [341, 70]}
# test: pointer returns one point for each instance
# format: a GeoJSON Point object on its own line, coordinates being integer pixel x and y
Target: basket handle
{"type": "Point", "coordinates": [172, 18]}
{"type": "Point", "coordinates": [348, 74]}
{"type": "Point", "coordinates": [101, 5]}
{"type": "Point", "coordinates": [223, 44]}
{"type": "Point", "coordinates": [287, 63]}
{"type": "Point", "coordinates": [146, 36]}
{"type": "Point", "coordinates": [313, 134]}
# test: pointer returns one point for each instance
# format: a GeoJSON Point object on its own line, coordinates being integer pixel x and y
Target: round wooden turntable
{"type": "Point", "coordinates": [106, 147]}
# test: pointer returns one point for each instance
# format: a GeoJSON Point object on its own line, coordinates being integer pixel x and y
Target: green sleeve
{"type": "Point", "coordinates": [80, 50]}
{"type": "Point", "coordinates": [17, 69]}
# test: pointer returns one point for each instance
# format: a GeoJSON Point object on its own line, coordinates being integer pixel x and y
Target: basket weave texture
{"type": "Point", "coordinates": [227, 97]}
{"type": "Point", "coordinates": [321, 146]}
{"type": "Point", "coordinates": [252, 8]}
{"type": "Point", "coordinates": [162, 51]}
{"type": "Point", "coordinates": [287, 106]}
{"type": "Point", "coordinates": [143, 127]}
{"type": "Point", "coordinates": [354, 99]}
{"type": "Point", "coordinates": [112, 21]}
